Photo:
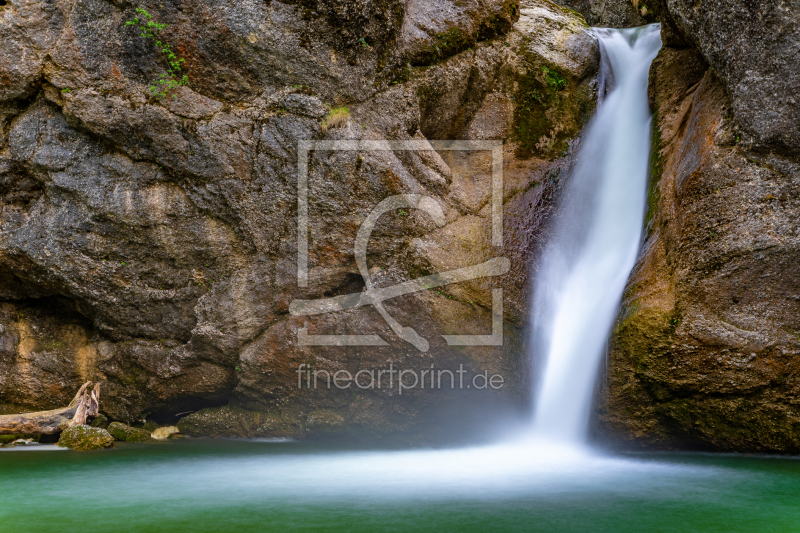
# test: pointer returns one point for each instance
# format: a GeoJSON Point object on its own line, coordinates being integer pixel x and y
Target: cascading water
{"type": "Point", "coordinates": [518, 484]}
{"type": "Point", "coordinates": [585, 267]}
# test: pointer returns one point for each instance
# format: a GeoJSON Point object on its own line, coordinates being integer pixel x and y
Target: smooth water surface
{"type": "Point", "coordinates": [243, 486]}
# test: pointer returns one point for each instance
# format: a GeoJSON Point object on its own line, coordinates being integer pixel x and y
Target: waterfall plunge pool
{"type": "Point", "coordinates": [519, 485]}
{"type": "Point", "coordinates": [242, 486]}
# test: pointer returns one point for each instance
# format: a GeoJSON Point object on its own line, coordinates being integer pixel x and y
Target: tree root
{"type": "Point", "coordinates": [84, 406]}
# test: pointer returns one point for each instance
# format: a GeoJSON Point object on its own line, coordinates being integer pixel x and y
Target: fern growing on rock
{"type": "Point", "coordinates": [171, 79]}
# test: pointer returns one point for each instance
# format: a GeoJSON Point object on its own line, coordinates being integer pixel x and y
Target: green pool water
{"type": "Point", "coordinates": [242, 486]}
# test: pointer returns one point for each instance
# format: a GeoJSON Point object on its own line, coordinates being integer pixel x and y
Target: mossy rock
{"type": "Point", "coordinates": [19, 442]}
{"type": "Point", "coordinates": [7, 439]}
{"type": "Point", "coordinates": [444, 45]}
{"type": "Point", "coordinates": [128, 434]}
{"type": "Point", "coordinates": [85, 438]}
{"type": "Point", "coordinates": [100, 421]}
{"type": "Point", "coordinates": [150, 425]}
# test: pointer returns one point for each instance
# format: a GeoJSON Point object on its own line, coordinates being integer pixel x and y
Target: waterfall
{"type": "Point", "coordinates": [596, 238]}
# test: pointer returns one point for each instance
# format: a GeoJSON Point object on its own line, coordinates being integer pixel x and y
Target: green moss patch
{"type": "Point", "coordinates": [125, 433]}
{"type": "Point", "coordinates": [542, 125]}
{"type": "Point", "coordinates": [444, 45]}
{"type": "Point", "coordinates": [85, 438]}
{"type": "Point", "coordinates": [656, 170]}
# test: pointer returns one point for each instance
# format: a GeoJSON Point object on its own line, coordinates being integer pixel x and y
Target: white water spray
{"type": "Point", "coordinates": [585, 267]}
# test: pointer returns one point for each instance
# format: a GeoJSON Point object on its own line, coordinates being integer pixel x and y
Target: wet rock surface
{"type": "Point", "coordinates": [151, 244]}
{"type": "Point", "coordinates": [166, 432]}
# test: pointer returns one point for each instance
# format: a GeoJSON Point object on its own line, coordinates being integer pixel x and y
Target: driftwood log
{"type": "Point", "coordinates": [85, 405]}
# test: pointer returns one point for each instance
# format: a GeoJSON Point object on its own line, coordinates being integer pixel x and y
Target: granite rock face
{"type": "Point", "coordinates": [152, 244]}
{"type": "Point", "coordinates": [707, 349]}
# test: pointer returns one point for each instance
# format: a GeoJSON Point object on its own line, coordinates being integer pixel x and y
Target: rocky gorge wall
{"type": "Point", "coordinates": [150, 244]}
{"type": "Point", "coordinates": [707, 349]}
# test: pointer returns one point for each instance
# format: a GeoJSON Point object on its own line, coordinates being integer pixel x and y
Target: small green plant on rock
{"type": "Point", "coordinates": [171, 79]}
{"type": "Point", "coordinates": [554, 79]}
{"type": "Point", "coordinates": [338, 117]}
{"type": "Point", "coordinates": [304, 89]}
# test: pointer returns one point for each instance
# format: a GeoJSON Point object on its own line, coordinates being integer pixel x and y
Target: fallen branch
{"type": "Point", "coordinates": [85, 405]}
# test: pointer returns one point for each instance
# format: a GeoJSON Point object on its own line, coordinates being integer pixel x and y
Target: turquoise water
{"type": "Point", "coordinates": [242, 486]}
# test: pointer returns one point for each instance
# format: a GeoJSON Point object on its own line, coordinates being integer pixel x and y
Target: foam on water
{"type": "Point", "coordinates": [503, 470]}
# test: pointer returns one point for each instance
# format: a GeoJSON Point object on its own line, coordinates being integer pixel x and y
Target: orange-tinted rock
{"type": "Point", "coordinates": [707, 348]}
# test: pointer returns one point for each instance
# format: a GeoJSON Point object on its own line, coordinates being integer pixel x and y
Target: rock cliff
{"type": "Point", "coordinates": [614, 13]}
{"type": "Point", "coordinates": [707, 349]}
{"type": "Point", "coordinates": [151, 243]}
